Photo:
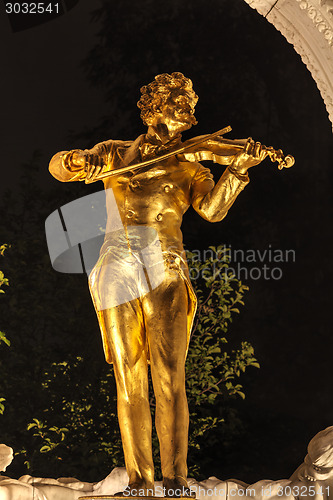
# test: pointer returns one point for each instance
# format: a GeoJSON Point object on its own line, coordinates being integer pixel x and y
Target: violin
{"type": "Point", "coordinates": [212, 147]}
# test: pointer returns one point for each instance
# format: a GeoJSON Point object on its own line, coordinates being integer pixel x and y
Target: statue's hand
{"type": "Point", "coordinates": [92, 163]}
{"type": "Point", "coordinates": [252, 154]}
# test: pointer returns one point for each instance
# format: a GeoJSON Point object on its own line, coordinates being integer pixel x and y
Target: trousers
{"type": "Point", "coordinates": [152, 327]}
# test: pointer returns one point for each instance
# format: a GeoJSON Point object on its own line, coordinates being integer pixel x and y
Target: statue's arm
{"type": "Point", "coordinates": [77, 164]}
{"type": "Point", "coordinates": [213, 204]}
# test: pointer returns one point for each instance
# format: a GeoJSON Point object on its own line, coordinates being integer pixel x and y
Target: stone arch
{"type": "Point", "coordinates": [308, 26]}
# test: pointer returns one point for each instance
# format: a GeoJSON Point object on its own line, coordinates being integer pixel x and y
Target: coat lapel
{"type": "Point", "coordinates": [131, 154]}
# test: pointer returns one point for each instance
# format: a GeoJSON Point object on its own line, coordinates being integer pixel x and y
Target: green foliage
{"type": "Point", "coordinates": [213, 369]}
{"type": "Point", "coordinates": [80, 423]}
{"type": "Point", "coordinates": [40, 430]}
{"type": "Point", "coordinates": [3, 338]}
{"type": "Point", "coordinates": [3, 280]}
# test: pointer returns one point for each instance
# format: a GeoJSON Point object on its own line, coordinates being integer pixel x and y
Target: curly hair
{"type": "Point", "coordinates": [175, 89]}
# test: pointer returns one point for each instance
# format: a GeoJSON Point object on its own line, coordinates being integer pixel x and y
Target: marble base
{"type": "Point", "coordinates": [313, 480]}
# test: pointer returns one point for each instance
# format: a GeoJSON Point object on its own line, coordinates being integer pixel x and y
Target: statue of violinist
{"type": "Point", "coordinates": [154, 180]}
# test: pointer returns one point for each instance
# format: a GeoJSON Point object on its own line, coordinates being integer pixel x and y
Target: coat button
{"type": "Point", "coordinates": [130, 214]}
{"type": "Point", "coordinates": [168, 187]}
{"type": "Point", "coordinates": [159, 217]}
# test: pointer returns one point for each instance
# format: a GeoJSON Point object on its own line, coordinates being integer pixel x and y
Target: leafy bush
{"type": "Point", "coordinates": [212, 369]}
{"type": "Point", "coordinates": [3, 338]}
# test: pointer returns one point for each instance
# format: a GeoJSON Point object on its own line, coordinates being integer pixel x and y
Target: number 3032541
{"type": "Point", "coordinates": [32, 8]}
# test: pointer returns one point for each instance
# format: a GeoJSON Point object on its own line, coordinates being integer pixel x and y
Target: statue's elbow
{"type": "Point", "coordinates": [213, 215]}
{"type": "Point", "coordinates": [218, 217]}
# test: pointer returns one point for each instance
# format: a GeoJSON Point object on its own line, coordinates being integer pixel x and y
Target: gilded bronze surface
{"type": "Point", "coordinates": [192, 150]}
{"type": "Point", "coordinates": [154, 324]}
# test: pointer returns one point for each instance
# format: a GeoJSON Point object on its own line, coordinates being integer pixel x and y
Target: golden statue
{"type": "Point", "coordinates": [144, 299]}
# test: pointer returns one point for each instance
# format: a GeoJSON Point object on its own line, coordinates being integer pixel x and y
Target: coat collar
{"type": "Point", "coordinates": [132, 153]}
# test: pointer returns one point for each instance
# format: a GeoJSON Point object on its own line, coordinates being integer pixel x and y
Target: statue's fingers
{"type": "Point", "coordinates": [257, 150]}
{"type": "Point", "coordinates": [89, 161]}
{"type": "Point", "coordinates": [91, 170]}
{"type": "Point", "coordinates": [95, 160]}
{"type": "Point", "coordinates": [261, 151]}
{"type": "Point", "coordinates": [249, 146]}
{"type": "Point", "coordinates": [86, 163]}
{"type": "Point", "coordinates": [97, 170]}
{"type": "Point", "coordinates": [264, 152]}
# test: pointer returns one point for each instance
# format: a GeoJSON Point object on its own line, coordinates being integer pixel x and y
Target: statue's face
{"type": "Point", "coordinates": [174, 117]}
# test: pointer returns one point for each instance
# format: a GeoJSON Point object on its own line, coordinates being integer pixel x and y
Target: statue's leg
{"type": "Point", "coordinates": [165, 310]}
{"type": "Point", "coordinates": [127, 340]}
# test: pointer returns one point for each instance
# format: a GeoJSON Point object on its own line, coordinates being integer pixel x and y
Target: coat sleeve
{"type": "Point", "coordinates": [212, 201]}
{"type": "Point", "coordinates": [62, 167]}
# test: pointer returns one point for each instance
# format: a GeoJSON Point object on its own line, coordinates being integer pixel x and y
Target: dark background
{"type": "Point", "coordinates": [74, 81]}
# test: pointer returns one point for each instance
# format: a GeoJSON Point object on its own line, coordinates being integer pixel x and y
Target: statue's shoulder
{"type": "Point", "coordinates": [114, 144]}
{"type": "Point", "coordinates": [129, 150]}
{"type": "Point", "coordinates": [122, 144]}
{"type": "Point", "coordinates": [117, 144]}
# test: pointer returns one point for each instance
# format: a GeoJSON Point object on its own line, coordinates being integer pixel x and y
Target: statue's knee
{"type": "Point", "coordinates": [172, 387]}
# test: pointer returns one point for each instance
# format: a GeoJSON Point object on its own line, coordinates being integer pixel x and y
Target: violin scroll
{"type": "Point", "coordinates": [277, 155]}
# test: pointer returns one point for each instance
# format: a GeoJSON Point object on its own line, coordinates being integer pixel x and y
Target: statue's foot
{"type": "Point", "coordinates": [136, 490]}
{"type": "Point", "coordinates": [177, 488]}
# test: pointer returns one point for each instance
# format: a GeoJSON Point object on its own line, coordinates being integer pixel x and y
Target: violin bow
{"type": "Point", "coordinates": [146, 163]}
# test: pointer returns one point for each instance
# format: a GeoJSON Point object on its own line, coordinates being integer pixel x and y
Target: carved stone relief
{"type": "Point", "coordinates": [308, 26]}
